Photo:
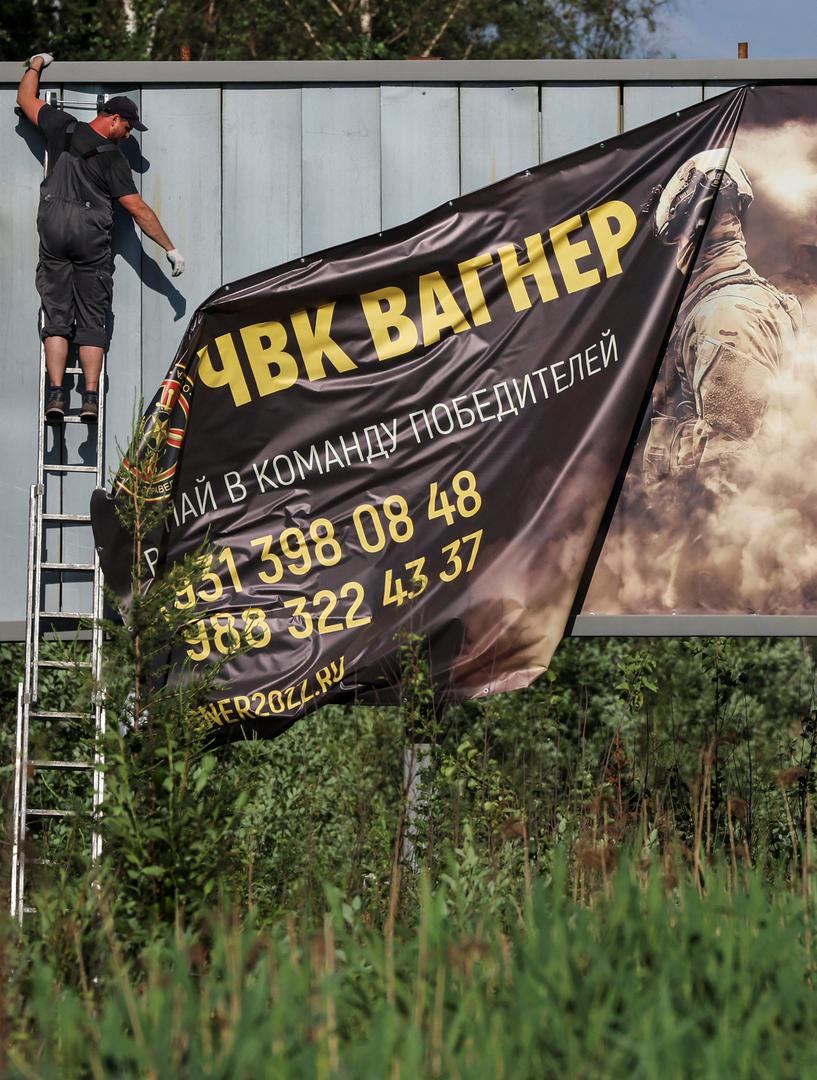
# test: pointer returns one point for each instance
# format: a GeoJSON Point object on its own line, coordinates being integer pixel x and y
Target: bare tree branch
{"type": "Point", "coordinates": [417, 13]}
{"type": "Point", "coordinates": [130, 17]}
{"type": "Point", "coordinates": [340, 13]}
{"type": "Point", "coordinates": [313, 37]}
{"type": "Point", "coordinates": [455, 7]}
{"type": "Point", "coordinates": [366, 19]}
{"type": "Point", "coordinates": [153, 27]}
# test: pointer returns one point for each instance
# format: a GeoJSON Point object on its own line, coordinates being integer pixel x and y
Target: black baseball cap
{"type": "Point", "coordinates": [124, 107]}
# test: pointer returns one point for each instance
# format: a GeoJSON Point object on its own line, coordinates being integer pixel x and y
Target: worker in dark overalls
{"type": "Point", "coordinates": [86, 172]}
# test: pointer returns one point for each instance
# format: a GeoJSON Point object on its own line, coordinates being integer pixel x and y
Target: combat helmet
{"type": "Point", "coordinates": [684, 202]}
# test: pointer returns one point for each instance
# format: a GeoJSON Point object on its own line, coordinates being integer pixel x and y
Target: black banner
{"type": "Point", "coordinates": [420, 432]}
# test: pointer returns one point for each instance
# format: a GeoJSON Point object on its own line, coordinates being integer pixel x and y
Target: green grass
{"type": "Point", "coordinates": [651, 979]}
{"type": "Point", "coordinates": [519, 951]}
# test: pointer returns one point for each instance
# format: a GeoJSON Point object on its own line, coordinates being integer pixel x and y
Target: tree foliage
{"type": "Point", "coordinates": [327, 29]}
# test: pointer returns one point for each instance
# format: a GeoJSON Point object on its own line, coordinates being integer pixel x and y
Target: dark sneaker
{"type": "Point", "coordinates": [55, 405]}
{"type": "Point", "coordinates": [89, 413]}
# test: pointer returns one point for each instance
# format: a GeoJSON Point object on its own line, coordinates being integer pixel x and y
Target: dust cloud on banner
{"type": "Point", "coordinates": [718, 514]}
{"type": "Point", "coordinates": [423, 432]}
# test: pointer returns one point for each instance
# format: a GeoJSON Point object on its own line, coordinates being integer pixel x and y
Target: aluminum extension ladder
{"type": "Point", "coordinates": [52, 611]}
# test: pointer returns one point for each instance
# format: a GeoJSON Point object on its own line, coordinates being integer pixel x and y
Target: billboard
{"type": "Point", "coordinates": [427, 431]}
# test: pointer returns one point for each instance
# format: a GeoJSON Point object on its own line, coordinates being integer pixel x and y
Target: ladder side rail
{"type": "Point", "coordinates": [100, 725]}
{"type": "Point", "coordinates": [33, 606]}
{"type": "Point", "coordinates": [35, 556]}
{"type": "Point", "coordinates": [30, 686]}
{"type": "Point", "coordinates": [20, 805]}
{"type": "Point", "coordinates": [51, 98]}
{"type": "Point", "coordinates": [23, 816]}
{"type": "Point", "coordinates": [96, 640]}
{"type": "Point", "coordinates": [34, 501]}
{"type": "Point", "coordinates": [32, 638]}
{"type": "Point", "coordinates": [16, 815]}
{"type": "Point", "coordinates": [99, 782]}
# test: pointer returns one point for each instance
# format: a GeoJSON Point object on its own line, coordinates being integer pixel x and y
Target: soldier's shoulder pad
{"type": "Point", "coordinates": [727, 308]}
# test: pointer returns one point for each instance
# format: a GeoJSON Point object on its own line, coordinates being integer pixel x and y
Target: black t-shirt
{"type": "Point", "coordinates": [110, 172]}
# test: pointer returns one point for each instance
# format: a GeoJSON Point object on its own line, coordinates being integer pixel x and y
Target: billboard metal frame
{"type": "Point", "coordinates": [334, 72]}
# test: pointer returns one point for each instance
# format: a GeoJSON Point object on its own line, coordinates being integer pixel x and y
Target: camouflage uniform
{"type": "Point", "coordinates": [734, 333]}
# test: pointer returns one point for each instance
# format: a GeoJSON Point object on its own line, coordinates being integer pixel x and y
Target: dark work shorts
{"type": "Point", "coordinates": [76, 297]}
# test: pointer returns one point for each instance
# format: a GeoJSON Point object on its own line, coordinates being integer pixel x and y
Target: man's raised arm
{"type": "Point", "coordinates": [29, 86]}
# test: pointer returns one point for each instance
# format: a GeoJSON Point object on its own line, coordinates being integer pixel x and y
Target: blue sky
{"type": "Point", "coordinates": [709, 29]}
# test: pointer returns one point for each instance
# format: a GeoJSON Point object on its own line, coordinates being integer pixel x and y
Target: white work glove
{"type": "Point", "coordinates": [176, 260]}
{"type": "Point", "coordinates": [46, 58]}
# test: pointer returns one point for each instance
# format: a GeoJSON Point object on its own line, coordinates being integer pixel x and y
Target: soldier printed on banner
{"type": "Point", "coordinates": [735, 332]}
{"type": "Point", "coordinates": [718, 512]}
{"type": "Point", "coordinates": [735, 336]}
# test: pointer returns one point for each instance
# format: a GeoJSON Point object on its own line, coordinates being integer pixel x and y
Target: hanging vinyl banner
{"type": "Point", "coordinates": [425, 431]}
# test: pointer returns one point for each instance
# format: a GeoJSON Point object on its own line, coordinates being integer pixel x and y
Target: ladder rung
{"type": "Point", "coordinates": [89, 567]}
{"type": "Point", "coordinates": [64, 665]}
{"type": "Point", "coordinates": [73, 371]}
{"type": "Point", "coordinates": [70, 420]}
{"type": "Point", "coordinates": [78, 103]}
{"type": "Point", "coordinates": [51, 813]}
{"type": "Point", "coordinates": [51, 714]}
{"type": "Point", "coordinates": [61, 764]}
{"type": "Point", "coordinates": [66, 615]}
{"type": "Point", "coordinates": [85, 518]}
{"type": "Point", "coordinates": [29, 911]}
{"type": "Point", "coordinates": [70, 468]}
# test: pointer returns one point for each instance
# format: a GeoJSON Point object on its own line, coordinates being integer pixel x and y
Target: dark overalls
{"type": "Point", "coordinates": [74, 277]}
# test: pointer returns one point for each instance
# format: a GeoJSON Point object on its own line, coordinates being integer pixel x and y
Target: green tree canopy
{"type": "Point", "coordinates": [327, 29]}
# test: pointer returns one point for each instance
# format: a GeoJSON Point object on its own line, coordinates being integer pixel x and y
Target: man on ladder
{"type": "Point", "coordinates": [86, 172]}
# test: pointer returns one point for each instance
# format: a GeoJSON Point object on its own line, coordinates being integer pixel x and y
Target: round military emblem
{"type": "Point", "coordinates": [149, 467]}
